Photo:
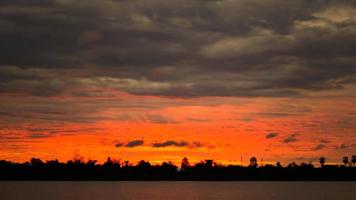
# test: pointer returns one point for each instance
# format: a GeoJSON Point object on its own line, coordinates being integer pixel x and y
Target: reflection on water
{"type": "Point", "coordinates": [33, 190]}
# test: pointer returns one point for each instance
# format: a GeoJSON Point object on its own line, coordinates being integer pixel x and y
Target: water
{"type": "Point", "coordinates": [33, 190]}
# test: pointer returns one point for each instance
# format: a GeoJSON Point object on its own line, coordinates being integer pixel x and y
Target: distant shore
{"type": "Point", "coordinates": [208, 170]}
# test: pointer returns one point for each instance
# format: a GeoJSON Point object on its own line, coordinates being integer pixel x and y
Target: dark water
{"type": "Point", "coordinates": [177, 190]}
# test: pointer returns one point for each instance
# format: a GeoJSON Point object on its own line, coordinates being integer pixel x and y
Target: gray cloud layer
{"type": "Point", "coordinates": [177, 48]}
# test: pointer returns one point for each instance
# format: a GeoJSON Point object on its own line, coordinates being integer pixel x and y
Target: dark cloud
{"type": "Point", "coordinates": [134, 143]}
{"type": "Point", "coordinates": [38, 135]}
{"type": "Point", "coordinates": [9, 138]}
{"type": "Point", "coordinates": [300, 158]}
{"type": "Point", "coordinates": [318, 147]}
{"type": "Point", "coordinates": [324, 141]}
{"type": "Point", "coordinates": [130, 144]}
{"type": "Point", "coordinates": [197, 145]}
{"type": "Point", "coordinates": [197, 119]}
{"type": "Point", "coordinates": [343, 146]}
{"type": "Point", "coordinates": [290, 138]}
{"type": "Point", "coordinates": [271, 135]}
{"type": "Point", "coordinates": [157, 119]}
{"type": "Point", "coordinates": [170, 143]}
{"type": "Point", "coordinates": [39, 129]}
{"type": "Point", "coordinates": [119, 145]}
{"type": "Point", "coordinates": [185, 48]}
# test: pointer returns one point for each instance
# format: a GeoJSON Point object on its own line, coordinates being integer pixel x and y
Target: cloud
{"type": "Point", "coordinates": [167, 143]}
{"type": "Point", "coordinates": [134, 143]}
{"type": "Point", "coordinates": [324, 141]}
{"type": "Point", "coordinates": [117, 145]}
{"type": "Point", "coordinates": [60, 59]}
{"type": "Point", "coordinates": [197, 119]}
{"type": "Point", "coordinates": [197, 145]}
{"type": "Point", "coordinates": [318, 147]}
{"type": "Point", "coordinates": [300, 158]}
{"type": "Point", "coordinates": [157, 119]}
{"type": "Point", "coordinates": [271, 135]}
{"type": "Point", "coordinates": [129, 144]}
{"type": "Point", "coordinates": [290, 138]}
{"type": "Point", "coordinates": [170, 143]}
{"type": "Point", "coordinates": [38, 135]}
{"type": "Point", "coordinates": [281, 49]}
{"type": "Point", "coordinates": [343, 146]}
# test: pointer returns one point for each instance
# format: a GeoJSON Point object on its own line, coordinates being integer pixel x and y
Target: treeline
{"type": "Point", "coordinates": [78, 169]}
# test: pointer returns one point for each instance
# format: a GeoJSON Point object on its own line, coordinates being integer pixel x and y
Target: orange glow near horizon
{"type": "Point", "coordinates": [223, 129]}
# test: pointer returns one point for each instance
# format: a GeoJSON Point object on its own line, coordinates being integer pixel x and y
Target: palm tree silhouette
{"type": "Point", "coordinates": [322, 161]}
{"type": "Point", "coordinates": [353, 160]}
{"type": "Point", "coordinates": [345, 160]}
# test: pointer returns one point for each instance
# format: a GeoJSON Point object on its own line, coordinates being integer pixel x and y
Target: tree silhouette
{"type": "Point", "coordinates": [143, 164]}
{"type": "Point", "coordinates": [353, 160]}
{"type": "Point", "coordinates": [322, 161]}
{"type": "Point", "coordinates": [278, 164]}
{"type": "Point", "coordinates": [253, 162]}
{"type": "Point", "coordinates": [79, 169]}
{"type": "Point", "coordinates": [345, 160]}
{"type": "Point", "coordinates": [209, 163]}
{"type": "Point", "coordinates": [293, 165]}
{"type": "Point", "coordinates": [185, 164]}
{"type": "Point", "coordinates": [36, 162]}
{"type": "Point", "coordinates": [126, 163]}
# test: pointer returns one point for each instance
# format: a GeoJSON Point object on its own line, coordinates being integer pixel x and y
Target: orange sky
{"type": "Point", "coordinates": [220, 128]}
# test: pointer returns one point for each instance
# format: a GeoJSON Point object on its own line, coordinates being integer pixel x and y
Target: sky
{"type": "Point", "coordinates": [161, 80]}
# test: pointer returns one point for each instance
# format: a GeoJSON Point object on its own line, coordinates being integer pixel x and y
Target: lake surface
{"type": "Point", "coordinates": [171, 190]}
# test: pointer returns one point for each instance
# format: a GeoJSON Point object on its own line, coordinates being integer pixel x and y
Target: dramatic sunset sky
{"type": "Point", "coordinates": [163, 79]}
